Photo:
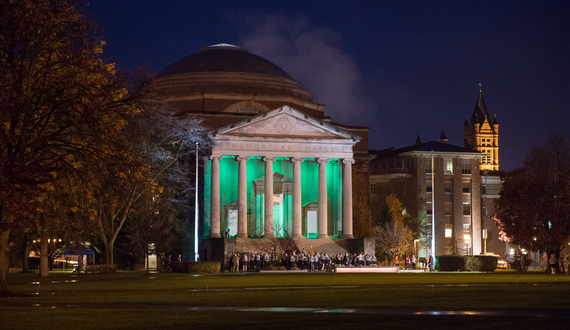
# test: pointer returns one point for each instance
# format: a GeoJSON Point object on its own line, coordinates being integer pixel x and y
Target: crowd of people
{"type": "Point", "coordinates": [250, 261]}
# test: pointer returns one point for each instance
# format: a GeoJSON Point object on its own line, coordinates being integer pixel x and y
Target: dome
{"type": "Point", "coordinates": [224, 58]}
{"type": "Point", "coordinates": [225, 69]}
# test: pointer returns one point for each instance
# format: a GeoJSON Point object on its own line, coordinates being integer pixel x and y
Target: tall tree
{"type": "Point", "coordinates": [393, 236]}
{"type": "Point", "coordinates": [61, 106]}
{"type": "Point", "coordinates": [534, 208]}
{"type": "Point", "coordinates": [164, 140]}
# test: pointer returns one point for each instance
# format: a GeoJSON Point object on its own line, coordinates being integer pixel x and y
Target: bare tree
{"type": "Point", "coordinates": [275, 245]}
{"type": "Point", "coordinates": [162, 141]}
{"type": "Point", "coordinates": [393, 238]}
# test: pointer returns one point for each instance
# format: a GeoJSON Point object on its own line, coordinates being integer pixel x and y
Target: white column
{"type": "Point", "coordinates": [297, 206]}
{"type": "Point", "coordinates": [215, 198]}
{"type": "Point", "coordinates": [242, 197]}
{"type": "Point", "coordinates": [347, 198]}
{"type": "Point", "coordinates": [268, 224]}
{"type": "Point", "coordinates": [323, 218]}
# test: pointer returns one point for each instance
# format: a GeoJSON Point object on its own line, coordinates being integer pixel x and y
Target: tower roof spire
{"type": "Point", "coordinates": [480, 113]}
{"type": "Point", "coordinates": [443, 136]}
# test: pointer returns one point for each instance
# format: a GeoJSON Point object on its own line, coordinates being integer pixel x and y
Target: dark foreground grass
{"type": "Point", "coordinates": [136, 301]}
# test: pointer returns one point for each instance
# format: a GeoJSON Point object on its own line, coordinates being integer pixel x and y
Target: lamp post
{"type": "Point", "coordinates": [416, 246]}
{"type": "Point", "coordinates": [196, 254]}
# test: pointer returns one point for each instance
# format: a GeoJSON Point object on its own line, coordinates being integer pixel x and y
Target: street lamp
{"type": "Point", "coordinates": [416, 246]}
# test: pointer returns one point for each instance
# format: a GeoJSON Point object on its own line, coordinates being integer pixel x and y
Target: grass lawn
{"type": "Point", "coordinates": [132, 300]}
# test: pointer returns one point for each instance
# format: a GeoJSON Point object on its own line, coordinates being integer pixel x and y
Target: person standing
{"type": "Point", "coordinates": [407, 262]}
{"type": "Point", "coordinates": [396, 262]}
{"type": "Point", "coordinates": [553, 263]}
{"type": "Point", "coordinates": [414, 261]}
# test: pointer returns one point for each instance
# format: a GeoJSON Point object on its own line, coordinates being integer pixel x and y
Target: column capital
{"type": "Point", "coordinates": [295, 160]}
{"type": "Point", "coordinates": [348, 160]}
{"type": "Point", "coordinates": [268, 159]}
{"type": "Point", "coordinates": [218, 157]}
{"type": "Point", "coordinates": [240, 158]}
{"type": "Point", "coordinates": [323, 160]}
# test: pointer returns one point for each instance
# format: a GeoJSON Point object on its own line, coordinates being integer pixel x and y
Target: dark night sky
{"type": "Point", "coordinates": [402, 68]}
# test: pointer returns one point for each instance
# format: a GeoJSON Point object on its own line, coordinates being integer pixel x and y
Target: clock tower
{"type": "Point", "coordinates": [482, 134]}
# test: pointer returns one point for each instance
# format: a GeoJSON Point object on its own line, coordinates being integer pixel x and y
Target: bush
{"type": "Point", "coordinates": [486, 263]}
{"type": "Point", "coordinates": [201, 267]}
{"type": "Point", "coordinates": [449, 263]}
{"type": "Point", "coordinates": [472, 263]}
{"type": "Point", "coordinates": [466, 263]}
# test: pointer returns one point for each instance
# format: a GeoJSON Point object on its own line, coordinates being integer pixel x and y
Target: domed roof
{"type": "Point", "coordinates": [224, 58]}
{"type": "Point", "coordinates": [225, 69]}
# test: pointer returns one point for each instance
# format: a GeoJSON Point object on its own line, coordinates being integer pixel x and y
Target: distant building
{"type": "Point", "coordinates": [466, 184]}
{"type": "Point", "coordinates": [456, 190]}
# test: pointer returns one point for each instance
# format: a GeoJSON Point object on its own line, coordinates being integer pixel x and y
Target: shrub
{"type": "Point", "coordinates": [201, 267]}
{"type": "Point", "coordinates": [472, 263]}
{"type": "Point", "coordinates": [486, 263]}
{"type": "Point", "coordinates": [449, 263]}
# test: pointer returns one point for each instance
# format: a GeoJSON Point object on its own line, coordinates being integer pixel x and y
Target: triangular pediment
{"type": "Point", "coordinates": [284, 122]}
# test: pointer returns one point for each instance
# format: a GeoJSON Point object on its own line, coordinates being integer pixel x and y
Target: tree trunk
{"type": "Point", "coordinates": [147, 260]}
{"type": "Point", "coordinates": [26, 256]}
{"type": "Point", "coordinates": [4, 261]}
{"type": "Point", "coordinates": [5, 220]}
{"type": "Point", "coordinates": [109, 243]}
{"type": "Point", "coordinates": [44, 251]}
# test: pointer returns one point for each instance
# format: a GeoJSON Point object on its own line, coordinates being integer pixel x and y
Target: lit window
{"type": "Point", "coordinates": [466, 228]}
{"type": "Point", "coordinates": [448, 230]}
{"type": "Point", "coordinates": [448, 165]}
{"type": "Point", "coordinates": [466, 166]}
{"type": "Point", "coordinates": [428, 165]}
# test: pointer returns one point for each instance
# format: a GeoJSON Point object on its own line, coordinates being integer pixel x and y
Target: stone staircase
{"type": "Point", "coordinates": [320, 245]}
{"type": "Point", "coordinates": [326, 245]}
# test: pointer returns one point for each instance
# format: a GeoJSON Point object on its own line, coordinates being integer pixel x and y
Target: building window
{"type": "Point", "coordinates": [448, 165]}
{"type": "Point", "coordinates": [428, 208]}
{"type": "Point", "coordinates": [428, 187]}
{"type": "Point", "coordinates": [466, 228]}
{"type": "Point", "coordinates": [466, 209]}
{"type": "Point", "coordinates": [448, 187]}
{"type": "Point", "coordinates": [373, 188]}
{"type": "Point", "coordinates": [466, 166]}
{"type": "Point", "coordinates": [448, 208]}
{"type": "Point", "coordinates": [399, 164]}
{"type": "Point", "coordinates": [428, 165]}
{"type": "Point", "coordinates": [466, 187]}
{"type": "Point", "coordinates": [448, 230]}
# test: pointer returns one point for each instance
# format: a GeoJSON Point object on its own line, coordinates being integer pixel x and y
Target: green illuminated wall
{"type": "Point", "coordinates": [255, 170]}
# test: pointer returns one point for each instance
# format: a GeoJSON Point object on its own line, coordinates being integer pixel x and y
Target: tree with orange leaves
{"type": "Point", "coordinates": [62, 109]}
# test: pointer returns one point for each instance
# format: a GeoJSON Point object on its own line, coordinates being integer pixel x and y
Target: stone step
{"type": "Point", "coordinates": [321, 245]}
